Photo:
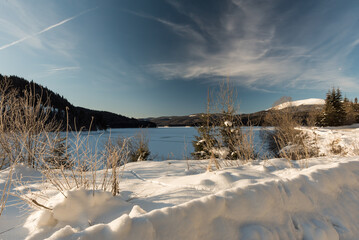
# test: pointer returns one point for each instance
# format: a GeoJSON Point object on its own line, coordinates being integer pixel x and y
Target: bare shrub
{"type": "Point", "coordinates": [6, 190]}
{"type": "Point", "coordinates": [286, 140]}
{"type": "Point", "coordinates": [29, 133]}
{"type": "Point", "coordinates": [24, 120]}
{"type": "Point", "coordinates": [336, 148]}
{"type": "Point", "coordinates": [116, 155]}
{"type": "Point", "coordinates": [245, 146]}
{"type": "Point", "coordinates": [91, 169]}
{"type": "Point", "coordinates": [221, 137]}
{"type": "Point", "coordinates": [138, 147]}
{"type": "Point", "coordinates": [59, 156]}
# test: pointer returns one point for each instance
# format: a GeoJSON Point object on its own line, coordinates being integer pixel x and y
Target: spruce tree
{"type": "Point", "coordinates": [205, 140]}
{"type": "Point", "coordinates": [230, 132]}
{"type": "Point", "coordinates": [334, 112]}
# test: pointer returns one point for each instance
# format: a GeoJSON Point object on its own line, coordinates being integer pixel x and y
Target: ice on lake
{"type": "Point", "coordinates": [173, 143]}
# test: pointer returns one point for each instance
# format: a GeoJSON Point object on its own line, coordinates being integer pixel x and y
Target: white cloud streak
{"type": "Point", "coordinates": [64, 69]}
{"type": "Point", "coordinates": [44, 30]}
{"type": "Point", "coordinates": [256, 52]}
{"type": "Point", "coordinates": [179, 29]}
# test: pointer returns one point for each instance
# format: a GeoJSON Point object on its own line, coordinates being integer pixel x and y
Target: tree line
{"type": "Point", "coordinates": [70, 115]}
{"type": "Point", "coordinates": [337, 110]}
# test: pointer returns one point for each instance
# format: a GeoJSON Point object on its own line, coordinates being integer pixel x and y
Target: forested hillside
{"type": "Point", "coordinates": [78, 117]}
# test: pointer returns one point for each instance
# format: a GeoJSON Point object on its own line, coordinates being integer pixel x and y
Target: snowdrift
{"type": "Point", "coordinates": [319, 202]}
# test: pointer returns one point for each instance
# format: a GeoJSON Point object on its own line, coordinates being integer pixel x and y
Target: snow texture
{"type": "Point", "coordinates": [296, 204]}
{"type": "Point", "coordinates": [331, 141]}
{"type": "Point", "coordinates": [316, 198]}
{"type": "Point", "coordinates": [228, 123]}
{"type": "Point", "coordinates": [310, 101]}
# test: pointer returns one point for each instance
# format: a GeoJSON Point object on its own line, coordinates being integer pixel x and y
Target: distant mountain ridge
{"type": "Point", "coordinates": [79, 117]}
{"type": "Point", "coordinates": [301, 109]}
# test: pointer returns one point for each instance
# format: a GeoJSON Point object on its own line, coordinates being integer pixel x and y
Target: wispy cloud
{"type": "Point", "coordinates": [262, 48]}
{"type": "Point", "coordinates": [64, 69]}
{"type": "Point", "coordinates": [180, 29]}
{"type": "Point", "coordinates": [44, 30]}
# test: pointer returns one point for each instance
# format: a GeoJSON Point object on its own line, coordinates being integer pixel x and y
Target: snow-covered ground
{"type": "Point", "coordinates": [309, 101]}
{"type": "Point", "coordinates": [331, 141]}
{"type": "Point", "coordinates": [176, 199]}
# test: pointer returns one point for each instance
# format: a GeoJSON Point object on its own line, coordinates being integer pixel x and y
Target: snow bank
{"type": "Point", "coordinates": [310, 101]}
{"type": "Point", "coordinates": [331, 141]}
{"type": "Point", "coordinates": [320, 202]}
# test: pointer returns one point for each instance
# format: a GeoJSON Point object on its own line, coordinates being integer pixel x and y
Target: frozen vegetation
{"type": "Point", "coordinates": [316, 198]}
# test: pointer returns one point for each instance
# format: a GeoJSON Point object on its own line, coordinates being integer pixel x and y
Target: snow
{"type": "Point", "coordinates": [222, 152]}
{"type": "Point", "coordinates": [228, 123]}
{"type": "Point", "coordinates": [310, 101]}
{"type": "Point", "coordinates": [316, 198]}
{"type": "Point", "coordinates": [344, 139]}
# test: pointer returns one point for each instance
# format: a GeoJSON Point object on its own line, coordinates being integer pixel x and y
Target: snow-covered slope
{"type": "Point", "coordinates": [310, 101]}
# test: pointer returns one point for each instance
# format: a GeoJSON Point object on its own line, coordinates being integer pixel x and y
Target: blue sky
{"type": "Point", "coordinates": [143, 58]}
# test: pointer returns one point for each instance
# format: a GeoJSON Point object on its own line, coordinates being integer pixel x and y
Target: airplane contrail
{"type": "Point", "coordinates": [44, 30]}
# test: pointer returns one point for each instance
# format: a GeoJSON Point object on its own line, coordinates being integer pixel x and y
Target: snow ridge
{"type": "Point", "coordinates": [310, 101]}
{"type": "Point", "coordinates": [306, 204]}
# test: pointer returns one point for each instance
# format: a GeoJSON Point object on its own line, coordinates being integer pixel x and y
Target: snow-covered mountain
{"type": "Point", "coordinates": [309, 101]}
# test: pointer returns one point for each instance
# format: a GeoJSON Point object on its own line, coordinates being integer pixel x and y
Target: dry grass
{"type": "Point", "coordinates": [287, 141]}
{"type": "Point", "coordinates": [87, 163]}
{"type": "Point", "coordinates": [138, 147]}
{"type": "Point", "coordinates": [6, 190]}
{"type": "Point", "coordinates": [30, 134]}
{"type": "Point", "coordinates": [336, 148]}
{"type": "Point", "coordinates": [23, 119]}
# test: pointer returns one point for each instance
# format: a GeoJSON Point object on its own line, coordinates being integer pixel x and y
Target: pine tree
{"type": "Point", "coordinates": [205, 140]}
{"type": "Point", "coordinates": [334, 112]}
{"type": "Point", "coordinates": [230, 132]}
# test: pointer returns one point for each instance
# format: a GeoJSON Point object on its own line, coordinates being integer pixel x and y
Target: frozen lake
{"type": "Point", "coordinates": [173, 143]}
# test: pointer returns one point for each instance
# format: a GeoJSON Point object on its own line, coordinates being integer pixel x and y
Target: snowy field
{"type": "Point", "coordinates": [176, 199]}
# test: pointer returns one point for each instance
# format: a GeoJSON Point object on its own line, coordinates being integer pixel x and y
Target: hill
{"type": "Point", "coordinates": [79, 117]}
{"type": "Point", "coordinates": [305, 102]}
{"type": "Point", "coordinates": [301, 110]}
